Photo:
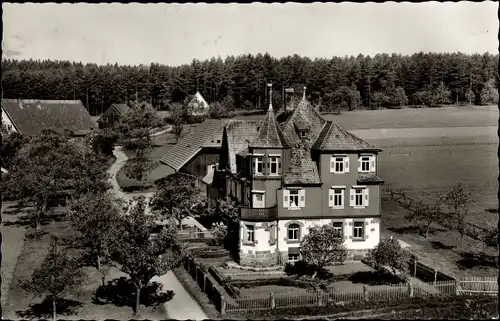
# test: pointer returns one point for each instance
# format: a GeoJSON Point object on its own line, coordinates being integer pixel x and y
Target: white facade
{"type": "Point", "coordinates": [198, 106]}
{"type": "Point", "coordinates": [8, 122]}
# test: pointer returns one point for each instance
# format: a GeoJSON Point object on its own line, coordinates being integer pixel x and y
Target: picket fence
{"type": "Point", "coordinates": [308, 298]}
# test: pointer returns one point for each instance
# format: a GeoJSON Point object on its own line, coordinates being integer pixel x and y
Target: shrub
{"type": "Point", "coordinates": [217, 111]}
{"type": "Point", "coordinates": [220, 234]}
{"type": "Point", "coordinates": [388, 255]}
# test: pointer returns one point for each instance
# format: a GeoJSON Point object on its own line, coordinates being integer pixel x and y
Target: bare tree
{"type": "Point", "coordinates": [458, 201]}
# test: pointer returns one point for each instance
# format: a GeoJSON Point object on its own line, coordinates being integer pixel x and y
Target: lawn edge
{"type": "Point", "coordinates": [192, 288]}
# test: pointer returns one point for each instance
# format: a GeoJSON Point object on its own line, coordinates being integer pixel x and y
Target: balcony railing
{"type": "Point", "coordinates": [247, 213]}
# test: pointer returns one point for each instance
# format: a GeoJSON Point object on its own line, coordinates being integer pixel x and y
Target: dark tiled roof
{"type": "Point", "coordinates": [206, 134]}
{"type": "Point", "coordinates": [240, 134]}
{"type": "Point", "coordinates": [369, 178]}
{"type": "Point", "coordinates": [269, 135]}
{"type": "Point", "coordinates": [333, 137]}
{"type": "Point", "coordinates": [30, 117]}
{"type": "Point", "coordinates": [304, 116]}
{"type": "Point", "coordinates": [302, 169]}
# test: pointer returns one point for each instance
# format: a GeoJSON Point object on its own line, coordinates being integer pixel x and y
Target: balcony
{"type": "Point", "coordinates": [258, 214]}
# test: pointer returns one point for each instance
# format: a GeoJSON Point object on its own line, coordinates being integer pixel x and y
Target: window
{"type": "Point", "coordinates": [250, 233]}
{"type": "Point", "coordinates": [258, 165]}
{"type": "Point", "coordinates": [293, 232]}
{"type": "Point", "coordinates": [339, 228]}
{"type": "Point", "coordinates": [9, 127]}
{"type": "Point", "coordinates": [358, 230]}
{"type": "Point", "coordinates": [274, 165]}
{"type": "Point", "coordinates": [294, 199]}
{"type": "Point", "coordinates": [303, 134]}
{"type": "Point", "coordinates": [337, 197]}
{"type": "Point", "coordinates": [339, 164]}
{"type": "Point", "coordinates": [359, 196]}
{"type": "Point", "coordinates": [366, 164]}
{"type": "Point", "coordinates": [293, 258]}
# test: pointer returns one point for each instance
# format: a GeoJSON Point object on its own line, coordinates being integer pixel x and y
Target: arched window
{"type": "Point", "coordinates": [293, 232]}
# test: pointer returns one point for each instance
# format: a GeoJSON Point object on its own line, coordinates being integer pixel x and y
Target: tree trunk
{"type": "Point", "coordinates": [137, 300]}
{"type": "Point", "coordinates": [54, 314]}
{"type": "Point", "coordinates": [427, 230]}
{"type": "Point", "coordinates": [99, 268]}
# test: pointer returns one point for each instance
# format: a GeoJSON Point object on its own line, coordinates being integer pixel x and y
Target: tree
{"type": "Point", "coordinates": [399, 97]}
{"type": "Point", "coordinates": [217, 110]}
{"type": "Point", "coordinates": [12, 142]}
{"type": "Point", "coordinates": [379, 99]}
{"type": "Point", "coordinates": [489, 94]}
{"type": "Point", "coordinates": [470, 96]}
{"type": "Point", "coordinates": [96, 216]}
{"type": "Point", "coordinates": [134, 130]}
{"type": "Point", "coordinates": [45, 166]}
{"type": "Point", "coordinates": [178, 197]}
{"type": "Point", "coordinates": [388, 255]}
{"type": "Point", "coordinates": [178, 116]}
{"type": "Point", "coordinates": [322, 247]}
{"type": "Point", "coordinates": [441, 95]}
{"type": "Point", "coordinates": [90, 172]}
{"type": "Point", "coordinates": [141, 254]}
{"type": "Point", "coordinates": [426, 214]}
{"type": "Point", "coordinates": [104, 141]}
{"type": "Point", "coordinates": [458, 201]}
{"type": "Point", "coordinates": [57, 275]}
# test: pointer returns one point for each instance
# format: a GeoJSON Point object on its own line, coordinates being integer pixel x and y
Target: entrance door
{"type": "Point", "coordinates": [258, 200]}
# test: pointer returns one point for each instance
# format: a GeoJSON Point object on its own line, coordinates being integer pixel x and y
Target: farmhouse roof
{"type": "Point", "coordinates": [240, 133]}
{"type": "Point", "coordinates": [335, 138]}
{"type": "Point", "coordinates": [122, 109]}
{"type": "Point", "coordinates": [30, 117]}
{"type": "Point", "coordinates": [206, 134]}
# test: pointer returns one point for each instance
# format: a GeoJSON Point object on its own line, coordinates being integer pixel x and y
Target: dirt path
{"type": "Point", "coordinates": [12, 246]}
{"type": "Point", "coordinates": [182, 306]}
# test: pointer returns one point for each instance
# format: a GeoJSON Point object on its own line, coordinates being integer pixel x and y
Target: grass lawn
{"type": "Point", "coordinates": [80, 304]}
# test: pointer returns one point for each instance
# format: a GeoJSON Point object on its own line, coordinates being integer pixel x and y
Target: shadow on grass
{"type": "Point", "coordinates": [470, 260]}
{"type": "Point", "coordinates": [44, 310]}
{"type": "Point", "coordinates": [375, 278]}
{"type": "Point", "coordinates": [301, 268]}
{"type": "Point", "coordinates": [121, 292]}
{"type": "Point", "coordinates": [438, 245]}
{"type": "Point", "coordinates": [412, 229]}
{"type": "Point", "coordinates": [25, 221]}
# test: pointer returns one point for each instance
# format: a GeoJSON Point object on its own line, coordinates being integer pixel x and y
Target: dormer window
{"type": "Point", "coordinates": [302, 134]}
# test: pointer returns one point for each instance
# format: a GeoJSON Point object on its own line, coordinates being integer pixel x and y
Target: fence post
{"type": "Point", "coordinates": [410, 290]}
{"type": "Point", "coordinates": [365, 292]}
{"type": "Point", "coordinates": [222, 305]}
{"type": "Point", "coordinates": [319, 297]}
{"type": "Point", "coordinates": [196, 273]}
{"type": "Point", "coordinates": [273, 301]}
{"type": "Point", "coordinates": [435, 276]}
{"type": "Point", "coordinates": [457, 287]}
{"type": "Point", "coordinates": [415, 266]}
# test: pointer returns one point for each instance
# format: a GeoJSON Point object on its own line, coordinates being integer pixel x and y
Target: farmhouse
{"type": "Point", "coordinates": [30, 117]}
{"type": "Point", "coordinates": [291, 176]}
{"type": "Point", "coordinates": [198, 106]}
{"type": "Point", "coordinates": [112, 115]}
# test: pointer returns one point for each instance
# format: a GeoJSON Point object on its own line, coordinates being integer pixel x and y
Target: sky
{"type": "Point", "coordinates": [175, 34]}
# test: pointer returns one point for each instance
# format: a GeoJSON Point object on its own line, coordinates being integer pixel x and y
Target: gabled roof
{"type": "Point", "coordinates": [121, 108]}
{"type": "Point", "coordinates": [206, 134]}
{"type": "Point", "coordinates": [303, 117]}
{"type": "Point", "coordinates": [269, 135]}
{"type": "Point", "coordinates": [31, 117]}
{"type": "Point", "coordinates": [335, 138]}
{"type": "Point", "coordinates": [240, 133]}
{"type": "Point", "coordinates": [198, 100]}
{"type": "Point", "coordinates": [302, 169]}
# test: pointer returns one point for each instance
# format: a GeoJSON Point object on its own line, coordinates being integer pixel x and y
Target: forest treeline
{"type": "Point", "coordinates": [383, 80]}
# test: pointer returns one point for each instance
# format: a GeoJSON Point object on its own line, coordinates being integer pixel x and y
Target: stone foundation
{"type": "Point", "coordinates": [258, 258]}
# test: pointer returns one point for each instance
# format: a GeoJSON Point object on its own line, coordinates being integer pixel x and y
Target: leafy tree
{"type": "Point", "coordinates": [57, 275]}
{"type": "Point", "coordinates": [441, 95]}
{"type": "Point", "coordinates": [90, 172]}
{"type": "Point", "coordinates": [141, 254]}
{"type": "Point", "coordinates": [399, 97]}
{"type": "Point", "coordinates": [425, 214]}
{"type": "Point", "coordinates": [12, 142]}
{"type": "Point", "coordinates": [489, 94]}
{"type": "Point", "coordinates": [470, 96]}
{"type": "Point", "coordinates": [218, 110]}
{"type": "Point", "coordinates": [45, 166]}
{"type": "Point", "coordinates": [104, 141]}
{"type": "Point", "coordinates": [178, 116]}
{"type": "Point", "coordinates": [380, 99]}
{"type": "Point", "coordinates": [458, 200]}
{"type": "Point", "coordinates": [96, 217]}
{"type": "Point", "coordinates": [220, 234]}
{"type": "Point", "coordinates": [389, 256]}
{"type": "Point", "coordinates": [322, 247]}
{"type": "Point", "coordinates": [424, 97]}
{"type": "Point", "coordinates": [178, 197]}
{"type": "Point", "coordinates": [134, 130]}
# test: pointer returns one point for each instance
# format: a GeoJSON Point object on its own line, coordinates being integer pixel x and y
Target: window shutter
{"type": "Point", "coordinates": [346, 164]}
{"type": "Point", "coordinates": [302, 198]}
{"type": "Point", "coordinates": [332, 164]}
{"type": "Point", "coordinates": [365, 229]}
{"type": "Point", "coordinates": [359, 163]}
{"type": "Point", "coordinates": [286, 194]}
{"type": "Point", "coordinates": [352, 202]}
{"type": "Point", "coordinates": [330, 197]}
{"type": "Point", "coordinates": [366, 193]}
{"type": "Point", "coordinates": [342, 192]}
{"type": "Point", "coordinates": [372, 164]}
